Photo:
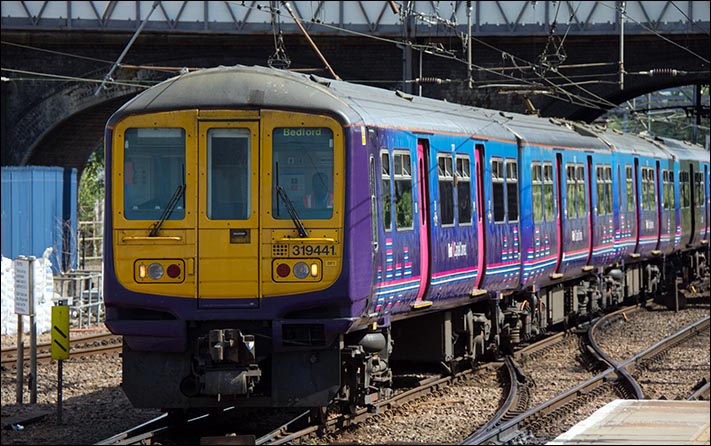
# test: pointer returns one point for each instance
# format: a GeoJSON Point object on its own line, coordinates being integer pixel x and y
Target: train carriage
{"type": "Point", "coordinates": [693, 182]}
{"type": "Point", "coordinates": [278, 239]}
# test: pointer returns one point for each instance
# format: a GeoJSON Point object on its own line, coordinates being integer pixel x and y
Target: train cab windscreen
{"type": "Point", "coordinates": [303, 168]}
{"type": "Point", "coordinates": [154, 173]}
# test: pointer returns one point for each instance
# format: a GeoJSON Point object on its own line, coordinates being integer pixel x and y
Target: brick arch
{"type": "Point", "coordinates": [633, 90]}
{"type": "Point", "coordinates": [70, 142]}
{"type": "Point", "coordinates": [66, 125]}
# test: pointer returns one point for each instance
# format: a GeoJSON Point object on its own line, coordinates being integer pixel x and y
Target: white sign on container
{"type": "Point", "coordinates": [22, 286]}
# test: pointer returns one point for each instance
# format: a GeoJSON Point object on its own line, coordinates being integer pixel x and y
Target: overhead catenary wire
{"type": "Point", "coordinates": [313, 44]}
{"type": "Point", "coordinates": [125, 50]}
{"type": "Point", "coordinates": [70, 78]}
{"type": "Point", "coordinates": [94, 59]}
{"type": "Point", "coordinates": [438, 52]}
{"type": "Point", "coordinates": [626, 14]}
{"type": "Point", "coordinates": [564, 95]}
{"type": "Point", "coordinates": [689, 19]}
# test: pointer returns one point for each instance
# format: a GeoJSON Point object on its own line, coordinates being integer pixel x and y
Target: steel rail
{"type": "Point", "coordinates": [612, 376]}
{"type": "Point", "coordinates": [634, 387]}
{"type": "Point", "coordinates": [76, 345]}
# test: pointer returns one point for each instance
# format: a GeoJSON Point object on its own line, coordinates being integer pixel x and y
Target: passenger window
{"type": "Point", "coordinates": [402, 176]}
{"type": "Point", "coordinates": [154, 173]}
{"type": "Point", "coordinates": [685, 195]}
{"type": "Point", "coordinates": [604, 190]}
{"type": "Point", "coordinates": [537, 192]}
{"type": "Point", "coordinates": [629, 186]}
{"type": "Point", "coordinates": [580, 190]}
{"type": "Point", "coordinates": [644, 188]}
{"type": "Point", "coordinates": [665, 189]}
{"type": "Point", "coordinates": [497, 186]}
{"type": "Point", "coordinates": [699, 189]}
{"type": "Point", "coordinates": [600, 191]}
{"type": "Point", "coordinates": [608, 190]}
{"type": "Point", "coordinates": [649, 199]}
{"type": "Point", "coordinates": [512, 189]}
{"type": "Point", "coordinates": [548, 191]}
{"type": "Point", "coordinates": [570, 190]}
{"type": "Point", "coordinates": [445, 180]}
{"type": "Point", "coordinates": [385, 183]}
{"type": "Point", "coordinates": [652, 189]}
{"type": "Point", "coordinates": [464, 190]}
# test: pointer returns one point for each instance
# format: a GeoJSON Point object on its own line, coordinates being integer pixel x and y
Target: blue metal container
{"type": "Point", "coordinates": [39, 210]}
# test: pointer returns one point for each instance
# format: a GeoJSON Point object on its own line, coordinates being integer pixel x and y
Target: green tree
{"type": "Point", "coordinates": [91, 185]}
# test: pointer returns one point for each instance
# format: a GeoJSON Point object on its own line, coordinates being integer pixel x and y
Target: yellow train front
{"type": "Point", "coordinates": [225, 256]}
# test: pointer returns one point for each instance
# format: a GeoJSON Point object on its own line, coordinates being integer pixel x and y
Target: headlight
{"type": "Point", "coordinates": [155, 271]}
{"type": "Point", "coordinates": [301, 270]}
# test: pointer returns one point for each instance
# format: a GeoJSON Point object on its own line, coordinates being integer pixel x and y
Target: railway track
{"type": "Point", "coordinates": [86, 346]}
{"type": "Point", "coordinates": [514, 419]}
{"type": "Point", "coordinates": [616, 381]}
{"type": "Point", "coordinates": [301, 427]}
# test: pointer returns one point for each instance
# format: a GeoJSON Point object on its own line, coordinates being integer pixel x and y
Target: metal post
{"type": "Point", "coordinates": [125, 50]}
{"type": "Point", "coordinates": [33, 336]}
{"type": "Point", "coordinates": [60, 383]}
{"type": "Point", "coordinates": [20, 360]}
{"type": "Point", "coordinates": [311, 42]}
{"type": "Point", "coordinates": [622, 45]}
{"type": "Point", "coordinates": [407, 48]}
{"type": "Point", "coordinates": [60, 347]}
{"type": "Point", "coordinates": [649, 114]}
{"type": "Point", "coordinates": [697, 114]}
{"type": "Point", "coordinates": [469, 43]}
{"type": "Point", "coordinates": [419, 84]}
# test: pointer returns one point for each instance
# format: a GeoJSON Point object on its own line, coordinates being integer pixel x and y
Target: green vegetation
{"type": "Point", "coordinates": [666, 117]}
{"type": "Point", "coordinates": [91, 185]}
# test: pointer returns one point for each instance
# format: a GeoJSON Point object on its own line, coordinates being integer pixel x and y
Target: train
{"type": "Point", "coordinates": [278, 239]}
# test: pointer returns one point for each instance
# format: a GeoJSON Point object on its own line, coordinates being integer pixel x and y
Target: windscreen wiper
{"type": "Point", "coordinates": [292, 212]}
{"type": "Point", "coordinates": [168, 209]}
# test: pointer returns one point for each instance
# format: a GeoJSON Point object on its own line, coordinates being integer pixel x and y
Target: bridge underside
{"type": "Point", "coordinates": [61, 123]}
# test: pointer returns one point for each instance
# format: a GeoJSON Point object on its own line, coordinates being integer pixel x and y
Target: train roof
{"type": "Point", "coordinates": [625, 142]}
{"type": "Point", "coordinates": [684, 150]}
{"type": "Point", "coordinates": [255, 87]}
{"type": "Point", "coordinates": [237, 87]}
{"type": "Point", "coordinates": [551, 132]}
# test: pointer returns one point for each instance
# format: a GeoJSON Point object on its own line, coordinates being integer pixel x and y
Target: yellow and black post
{"type": "Point", "coordinates": [60, 347]}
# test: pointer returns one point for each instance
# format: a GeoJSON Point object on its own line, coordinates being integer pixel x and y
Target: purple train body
{"type": "Point", "coordinates": [455, 233]}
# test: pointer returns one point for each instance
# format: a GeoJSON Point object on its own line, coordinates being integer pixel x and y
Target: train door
{"type": "Point", "coordinates": [576, 232]}
{"type": "Point", "coordinates": [603, 219]}
{"type": "Point", "coordinates": [668, 209]}
{"type": "Point", "coordinates": [699, 193]}
{"type": "Point", "coordinates": [707, 202]}
{"type": "Point", "coordinates": [503, 255]}
{"type": "Point", "coordinates": [559, 209]}
{"type": "Point", "coordinates": [685, 172]}
{"type": "Point", "coordinates": [628, 208]}
{"type": "Point", "coordinates": [423, 220]}
{"type": "Point", "coordinates": [590, 210]}
{"type": "Point", "coordinates": [658, 188]}
{"type": "Point", "coordinates": [480, 213]}
{"type": "Point", "coordinates": [693, 188]}
{"type": "Point", "coordinates": [228, 221]}
{"type": "Point", "coordinates": [637, 213]}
